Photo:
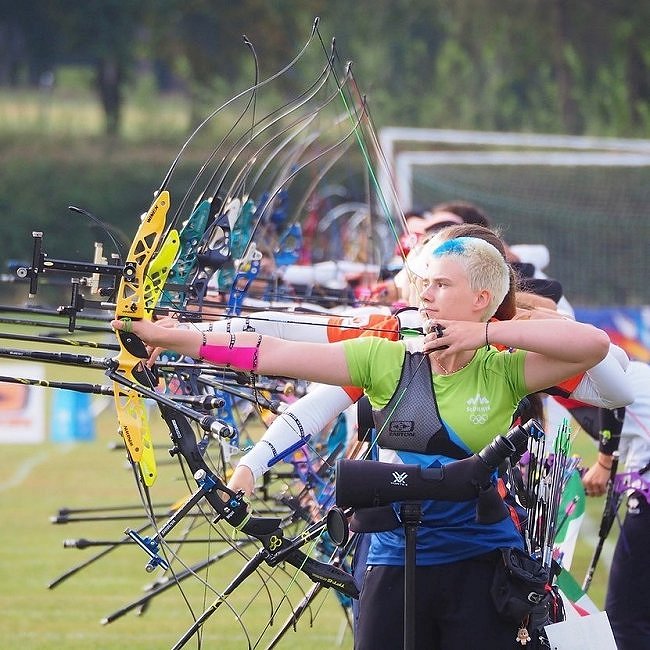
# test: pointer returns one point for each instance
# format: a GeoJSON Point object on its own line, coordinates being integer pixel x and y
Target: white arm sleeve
{"type": "Point", "coordinates": [282, 325]}
{"type": "Point", "coordinates": [606, 384]}
{"type": "Point", "coordinates": [332, 274]}
{"type": "Point", "coordinates": [312, 328]}
{"type": "Point", "coordinates": [308, 416]}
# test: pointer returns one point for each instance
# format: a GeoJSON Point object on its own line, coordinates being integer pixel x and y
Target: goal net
{"type": "Point", "coordinates": [586, 199]}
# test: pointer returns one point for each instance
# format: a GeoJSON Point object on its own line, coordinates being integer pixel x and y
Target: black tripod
{"type": "Point", "coordinates": [410, 514]}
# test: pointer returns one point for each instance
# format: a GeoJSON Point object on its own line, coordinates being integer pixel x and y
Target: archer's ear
{"type": "Point", "coordinates": [482, 299]}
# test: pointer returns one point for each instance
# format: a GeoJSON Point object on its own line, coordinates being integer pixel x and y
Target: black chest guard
{"type": "Point", "coordinates": [411, 420]}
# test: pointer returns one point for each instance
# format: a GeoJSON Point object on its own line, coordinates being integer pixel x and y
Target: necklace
{"type": "Point", "coordinates": [448, 372]}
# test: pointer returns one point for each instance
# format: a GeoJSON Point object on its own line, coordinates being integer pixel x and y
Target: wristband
{"type": "Point", "coordinates": [204, 342]}
{"type": "Point", "coordinates": [243, 358]}
{"type": "Point", "coordinates": [609, 469]}
{"type": "Point", "coordinates": [610, 423]}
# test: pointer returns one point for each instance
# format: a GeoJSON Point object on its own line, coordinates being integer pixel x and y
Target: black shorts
{"type": "Point", "coordinates": [454, 610]}
{"type": "Point", "coordinates": [628, 592]}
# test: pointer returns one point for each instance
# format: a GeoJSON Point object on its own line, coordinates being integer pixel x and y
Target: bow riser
{"type": "Point", "coordinates": [130, 298]}
{"type": "Point", "coordinates": [190, 239]}
{"type": "Point", "coordinates": [131, 303]}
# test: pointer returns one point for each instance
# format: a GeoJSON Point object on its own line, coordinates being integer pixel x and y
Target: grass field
{"type": "Point", "coordinates": [37, 480]}
{"type": "Point", "coordinates": [35, 485]}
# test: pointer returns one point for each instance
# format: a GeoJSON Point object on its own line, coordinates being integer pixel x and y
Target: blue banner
{"type": "Point", "coordinates": [628, 327]}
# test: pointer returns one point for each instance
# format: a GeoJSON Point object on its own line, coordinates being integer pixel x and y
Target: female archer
{"type": "Point", "coordinates": [457, 371]}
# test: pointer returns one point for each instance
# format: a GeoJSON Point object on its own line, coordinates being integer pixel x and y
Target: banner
{"type": "Point", "coordinates": [22, 408]}
{"type": "Point", "coordinates": [628, 327]}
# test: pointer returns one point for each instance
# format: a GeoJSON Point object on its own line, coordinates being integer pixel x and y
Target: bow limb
{"type": "Point", "coordinates": [258, 84]}
{"type": "Point", "coordinates": [610, 510]}
{"type": "Point", "coordinates": [244, 206]}
{"type": "Point", "coordinates": [270, 198]}
{"type": "Point", "coordinates": [245, 141]}
{"type": "Point", "coordinates": [131, 303]}
{"type": "Point", "coordinates": [295, 129]}
{"type": "Point", "coordinates": [233, 509]}
{"type": "Point", "coordinates": [388, 205]}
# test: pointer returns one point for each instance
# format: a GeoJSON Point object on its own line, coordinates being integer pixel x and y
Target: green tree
{"type": "Point", "coordinates": [203, 41]}
{"type": "Point", "coordinates": [544, 65]}
{"type": "Point", "coordinates": [27, 47]}
{"type": "Point", "coordinates": [105, 34]}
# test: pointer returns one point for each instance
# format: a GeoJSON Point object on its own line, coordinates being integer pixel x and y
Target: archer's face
{"type": "Point", "coordinates": [446, 292]}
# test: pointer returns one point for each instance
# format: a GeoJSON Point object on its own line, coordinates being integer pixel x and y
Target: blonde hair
{"type": "Point", "coordinates": [484, 266]}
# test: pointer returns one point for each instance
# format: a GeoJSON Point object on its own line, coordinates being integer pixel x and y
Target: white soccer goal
{"type": "Point", "coordinates": [586, 198]}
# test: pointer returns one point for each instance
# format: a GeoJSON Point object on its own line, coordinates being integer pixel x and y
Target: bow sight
{"type": "Point", "coordinates": [93, 272]}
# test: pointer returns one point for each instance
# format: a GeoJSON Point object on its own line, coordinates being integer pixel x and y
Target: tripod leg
{"type": "Point", "coordinates": [411, 517]}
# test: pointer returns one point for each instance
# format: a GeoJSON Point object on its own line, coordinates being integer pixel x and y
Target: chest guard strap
{"type": "Point", "coordinates": [411, 422]}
